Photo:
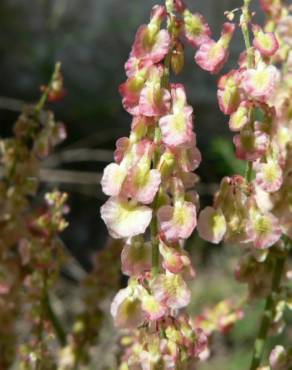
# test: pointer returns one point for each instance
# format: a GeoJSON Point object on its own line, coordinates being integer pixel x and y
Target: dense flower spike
{"type": "Point", "coordinates": [31, 251]}
{"type": "Point", "coordinates": [151, 187]}
{"type": "Point", "coordinates": [251, 211]}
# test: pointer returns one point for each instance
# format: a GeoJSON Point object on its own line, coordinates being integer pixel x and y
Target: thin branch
{"type": "Point", "coordinates": [261, 339]}
{"type": "Point", "coordinates": [79, 155]}
{"type": "Point", "coordinates": [11, 104]}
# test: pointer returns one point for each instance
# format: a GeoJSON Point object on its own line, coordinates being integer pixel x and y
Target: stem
{"type": "Point", "coordinates": [260, 341]}
{"type": "Point", "coordinates": [43, 99]}
{"type": "Point", "coordinates": [248, 171]}
{"type": "Point", "coordinates": [155, 247]}
{"type": "Point", "coordinates": [60, 333]}
{"type": "Point", "coordinates": [154, 225]}
{"type": "Point", "coordinates": [157, 138]}
{"type": "Point", "coordinates": [250, 63]}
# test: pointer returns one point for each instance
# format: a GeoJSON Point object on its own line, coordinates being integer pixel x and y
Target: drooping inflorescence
{"type": "Point", "coordinates": [30, 248]}
{"type": "Point", "coordinates": [152, 202]}
{"type": "Point", "coordinates": [255, 211]}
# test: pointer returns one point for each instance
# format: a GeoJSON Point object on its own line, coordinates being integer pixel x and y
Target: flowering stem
{"type": "Point", "coordinates": [45, 94]}
{"type": "Point", "coordinates": [155, 247]}
{"type": "Point", "coordinates": [245, 31]}
{"type": "Point", "coordinates": [153, 225]}
{"type": "Point", "coordinates": [157, 138]}
{"type": "Point", "coordinates": [248, 171]}
{"type": "Point", "coordinates": [60, 333]}
{"type": "Point", "coordinates": [260, 341]}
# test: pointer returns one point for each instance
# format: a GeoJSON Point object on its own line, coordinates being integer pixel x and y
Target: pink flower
{"type": "Point", "coordinates": [141, 123]}
{"type": "Point", "coordinates": [112, 179]}
{"type": "Point", "coordinates": [212, 225]}
{"type": "Point", "coordinates": [151, 43]}
{"type": "Point", "coordinates": [260, 83]}
{"type": "Point", "coordinates": [250, 145]}
{"type": "Point", "coordinates": [126, 308]}
{"type": "Point", "coordinates": [212, 55]}
{"type": "Point", "coordinates": [171, 290]}
{"type": "Point", "coordinates": [131, 90]}
{"type": "Point", "coordinates": [122, 146]}
{"type": "Point", "coordinates": [136, 258]}
{"type": "Point", "coordinates": [124, 218]}
{"type": "Point", "coordinates": [228, 93]}
{"type": "Point", "coordinates": [278, 358]}
{"type": "Point", "coordinates": [154, 100]}
{"type": "Point", "coordinates": [269, 175]}
{"type": "Point", "coordinates": [176, 260]}
{"type": "Point", "coordinates": [240, 117]}
{"type": "Point", "coordinates": [196, 29]}
{"type": "Point", "coordinates": [263, 228]}
{"type": "Point", "coordinates": [153, 309]}
{"type": "Point", "coordinates": [265, 42]}
{"type": "Point", "coordinates": [188, 158]}
{"type": "Point", "coordinates": [142, 184]}
{"type": "Point", "coordinates": [177, 127]}
{"type": "Point", "coordinates": [177, 222]}
{"type": "Point", "coordinates": [134, 65]}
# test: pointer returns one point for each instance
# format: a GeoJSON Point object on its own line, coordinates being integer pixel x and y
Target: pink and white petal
{"type": "Point", "coordinates": [136, 259]}
{"type": "Point", "coordinates": [124, 218]}
{"type": "Point", "coordinates": [142, 187]}
{"type": "Point", "coordinates": [250, 145]}
{"type": "Point", "coordinates": [161, 47]}
{"type": "Point", "coordinates": [196, 29]}
{"type": "Point", "coordinates": [263, 229]}
{"type": "Point", "coordinates": [260, 83]}
{"type": "Point", "coordinates": [266, 43]}
{"type": "Point", "coordinates": [269, 176]}
{"type": "Point", "coordinates": [212, 225]}
{"type": "Point", "coordinates": [171, 290]}
{"type": "Point", "coordinates": [122, 146]}
{"type": "Point", "coordinates": [177, 128]}
{"type": "Point", "coordinates": [211, 56]}
{"type": "Point", "coordinates": [278, 358]}
{"type": "Point", "coordinates": [239, 118]}
{"type": "Point", "coordinates": [177, 222]}
{"type": "Point", "coordinates": [112, 179]}
{"type": "Point", "coordinates": [154, 101]}
{"type": "Point", "coordinates": [153, 309]}
{"type": "Point", "coordinates": [130, 91]}
{"type": "Point", "coordinates": [150, 47]}
{"type": "Point", "coordinates": [127, 310]}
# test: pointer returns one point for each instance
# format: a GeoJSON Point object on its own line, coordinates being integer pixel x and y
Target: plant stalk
{"type": "Point", "coordinates": [250, 63]}
{"type": "Point", "coordinates": [260, 341]}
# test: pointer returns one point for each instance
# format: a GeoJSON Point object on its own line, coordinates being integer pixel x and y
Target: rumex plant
{"type": "Point", "coordinates": [254, 211]}
{"type": "Point", "coordinates": [30, 253]}
{"type": "Point", "coordinates": [152, 202]}
{"type": "Point", "coordinates": [153, 206]}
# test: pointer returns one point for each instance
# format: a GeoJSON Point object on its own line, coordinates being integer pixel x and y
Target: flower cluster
{"type": "Point", "coordinates": [41, 252]}
{"type": "Point", "coordinates": [221, 317]}
{"type": "Point", "coordinates": [181, 341]}
{"type": "Point", "coordinates": [100, 283]}
{"type": "Point", "coordinates": [255, 211]}
{"type": "Point", "coordinates": [29, 244]}
{"type": "Point", "coordinates": [256, 96]}
{"type": "Point", "coordinates": [152, 203]}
